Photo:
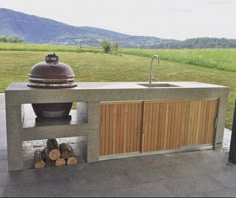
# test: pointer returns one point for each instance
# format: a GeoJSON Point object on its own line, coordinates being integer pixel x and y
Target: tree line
{"type": "Point", "coordinates": [112, 47]}
{"type": "Point", "coordinates": [11, 39]}
{"type": "Point", "coordinates": [197, 43]}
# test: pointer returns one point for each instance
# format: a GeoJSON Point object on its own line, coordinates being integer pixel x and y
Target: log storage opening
{"type": "Point", "coordinates": [54, 155]}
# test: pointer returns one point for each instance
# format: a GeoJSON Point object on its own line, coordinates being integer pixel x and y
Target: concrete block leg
{"type": "Point", "coordinates": [14, 140]}
{"type": "Point", "coordinates": [93, 133]}
{"type": "Point", "coordinates": [220, 123]}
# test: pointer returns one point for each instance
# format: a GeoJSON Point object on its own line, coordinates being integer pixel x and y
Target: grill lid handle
{"type": "Point", "coordinates": [50, 58]}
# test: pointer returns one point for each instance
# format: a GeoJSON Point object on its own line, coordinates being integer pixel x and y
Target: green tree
{"type": "Point", "coordinates": [105, 44]}
{"type": "Point", "coordinates": [3, 39]}
{"type": "Point", "coordinates": [115, 48]}
{"type": "Point", "coordinates": [14, 39]}
{"type": "Point", "coordinates": [11, 39]}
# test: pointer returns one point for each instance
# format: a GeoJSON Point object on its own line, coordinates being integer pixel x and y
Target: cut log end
{"type": "Point", "coordinates": [38, 159]}
{"type": "Point", "coordinates": [66, 151]}
{"type": "Point", "coordinates": [60, 162]}
{"type": "Point", "coordinates": [54, 154]}
{"type": "Point", "coordinates": [48, 161]}
{"type": "Point", "coordinates": [72, 161]}
{"type": "Point", "coordinates": [39, 164]}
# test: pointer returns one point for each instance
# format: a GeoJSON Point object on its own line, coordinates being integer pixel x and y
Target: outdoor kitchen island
{"type": "Point", "coordinates": [122, 119]}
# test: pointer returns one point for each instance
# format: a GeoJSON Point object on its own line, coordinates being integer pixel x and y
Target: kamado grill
{"type": "Point", "coordinates": [52, 74]}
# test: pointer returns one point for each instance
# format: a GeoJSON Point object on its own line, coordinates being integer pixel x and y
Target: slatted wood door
{"type": "Point", "coordinates": [199, 124]}
{"type": "Point", "coordinates": [120, 127]}
{"type": "Point", "coordinates": [162, 125]}
{"type": "Point", "coordinates": [177, 123]}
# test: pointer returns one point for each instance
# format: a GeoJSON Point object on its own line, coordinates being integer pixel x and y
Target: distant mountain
{"type": "Point", "coordinates": [34, 29]}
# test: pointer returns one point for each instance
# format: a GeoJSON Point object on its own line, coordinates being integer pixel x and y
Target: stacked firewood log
{"type": "Point", "coordinates": [54, 155]}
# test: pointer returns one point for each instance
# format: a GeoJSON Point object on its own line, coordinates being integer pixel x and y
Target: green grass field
{"type": "Point", "coordinates": [15, 66]}
{"type": "Point", "coordinates": [222, 59]}
{"type": "Point", "coordinates": [45, 47]}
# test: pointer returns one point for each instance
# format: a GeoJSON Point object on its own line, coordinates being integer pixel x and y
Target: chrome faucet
{"type": "Point", "coordinates": [150, 72]}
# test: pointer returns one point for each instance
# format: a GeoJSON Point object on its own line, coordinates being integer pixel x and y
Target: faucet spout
{"type": "Point", "coordinates": [150, 72]}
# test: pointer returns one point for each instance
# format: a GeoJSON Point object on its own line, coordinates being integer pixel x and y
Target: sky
{"type": "Point", "coordinates": [171, 19]}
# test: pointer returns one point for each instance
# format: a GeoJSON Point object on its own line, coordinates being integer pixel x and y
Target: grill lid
{"type": "Point", "coordinates": [51, 74]}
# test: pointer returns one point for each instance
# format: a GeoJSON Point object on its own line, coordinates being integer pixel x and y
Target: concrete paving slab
{"type": "Point", "coordinates": [1, 191]}
{"type": "Point", "coordinates": [147, 175]}
{"type": "Point", "coordinates": [226, 192]}
{"type": "Point", "coordinates": [156, 189]}
{"type": "Point", "coordinates": [3, 155]}
{"type": "Point", "coordinates": [125, 164]}
{"type": "Point", "coordinates": [143, 190]}
{"type": "Point", "coordinates": [154, 161]}
{"type": "Point", "coordinates": [100, 176]}
{"type": "Point", "coordinates": [225, 176]}
{"type": "Point", "coordinates": [36, 176]}
{"type": "Point", "coordinates": [3, 166]}
{"type": "Point", "coordinates": [194, 194]}
{"type": "Point", "coordinates": [3, 139]}
{"type": "Point", "coordinates": [2, 100]}
{"type": "Point", "coordinates": [4, 179]}
{"type": "Point", "coordinates": [47, 189]}
{"type": "Point", "coordinates": [205, 184]}
{"type": "Point", "coordinates": [108, 179]}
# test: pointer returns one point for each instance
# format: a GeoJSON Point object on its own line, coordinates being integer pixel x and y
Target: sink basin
{"type": "Point", "coordinates": [159, 85]}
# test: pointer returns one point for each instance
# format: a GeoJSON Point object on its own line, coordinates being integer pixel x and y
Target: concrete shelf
{"type": "Point", "coordinates": [37, 130]}
{"type": "Point", "coordinates": [55, 131]}
{"type": "Point", "coordinates": [29, 121]}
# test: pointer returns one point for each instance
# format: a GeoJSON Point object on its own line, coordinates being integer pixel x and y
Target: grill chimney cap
{"type": "Point", "coordinates": [51, 58]}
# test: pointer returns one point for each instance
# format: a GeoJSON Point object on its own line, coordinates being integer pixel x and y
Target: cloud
{"type": "Point", "coordinates": [221, 2]}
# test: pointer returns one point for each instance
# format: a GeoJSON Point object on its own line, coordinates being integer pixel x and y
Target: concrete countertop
{"type": "Point", "coordinates": [121, 85]}
{"type": "Point", "coordinates": [20, 93]}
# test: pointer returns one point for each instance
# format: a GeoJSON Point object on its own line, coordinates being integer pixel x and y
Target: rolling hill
{"type": "Point", "coordinates": [34, 29]}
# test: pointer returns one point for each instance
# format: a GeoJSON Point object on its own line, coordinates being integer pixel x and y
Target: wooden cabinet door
{"type": "Point", "coordinates": [120, 127]}
{"type": "Point", "coordinates": [162, 125]}
{"type": "Point", "coordinates": [177, 123]}
{"type": "Point", "coordinates": [200, 119]}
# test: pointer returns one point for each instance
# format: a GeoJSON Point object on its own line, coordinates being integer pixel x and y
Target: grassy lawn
{"type": "Point", "coordinates": [45, 47]}
{"type": "Point", "coordinates": [222, 59]}
{"type": "Point", "coordinates": [15, 66]}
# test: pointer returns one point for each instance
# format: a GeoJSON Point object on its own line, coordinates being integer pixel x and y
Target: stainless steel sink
{"type": "Point", "coordinates": [159, 85]}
